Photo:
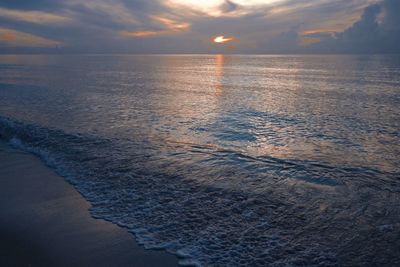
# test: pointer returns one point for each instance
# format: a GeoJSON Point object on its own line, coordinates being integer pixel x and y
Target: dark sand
{"type": "Point", "coordinates": [45, 222]}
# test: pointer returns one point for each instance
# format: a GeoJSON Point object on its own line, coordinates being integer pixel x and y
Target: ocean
{"type": "Point", "coordinates": [223, 160]}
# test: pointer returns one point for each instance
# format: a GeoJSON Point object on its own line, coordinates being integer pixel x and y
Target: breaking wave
{"type": "Point", "coordinates": [217, 207]}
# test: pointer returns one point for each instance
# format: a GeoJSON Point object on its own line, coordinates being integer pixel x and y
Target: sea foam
{"type": "Point", "coordinates": [269, 220]}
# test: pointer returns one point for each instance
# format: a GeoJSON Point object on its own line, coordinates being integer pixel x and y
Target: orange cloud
{"type": "Point", "coordinates": [308, 41]}
{"type": "Point", "coordinates": [330, 31]}
{"type": "Point", "coordinates": [171, 24]}
{"type": "Point", "coordinates": [14, 38]}
{"type": "Point", "coordinates": [140, 33]}
{"type": "Point", "coordinates": [8, 37]}
{"type": "Point", "coordinates": [311, 36]}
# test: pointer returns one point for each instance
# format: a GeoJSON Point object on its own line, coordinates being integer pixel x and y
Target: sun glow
{"type": "Point", "coordinates": [221, 39]}
{"type": "Point", "coordinates": [215, 8]}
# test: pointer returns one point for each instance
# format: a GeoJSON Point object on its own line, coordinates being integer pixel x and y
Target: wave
{"type": "Point", "coordinates": [217, 207]}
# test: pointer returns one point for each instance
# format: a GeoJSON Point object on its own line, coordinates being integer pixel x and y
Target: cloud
{"type": "Point", "coordinates": [187, 26]}
{"type": "Point", "coordinates": [168, 25]}
{"type": "Point", "coordinates": [12, 38]}
{"type": "Point", "coordinates": [37, 17]}
{"type": "Point", "coordinates": [32, 5]}
{"type": "Point", "coordinates": [377, 31]}
{"type": "Point", "coordinates": [171, 24]}
{"type": "Point", "coordinates": [391, 9]}
{"type": "Point", "coordinates": [102, 12]}
{"type": "Point", "coordinates": [140, 34]}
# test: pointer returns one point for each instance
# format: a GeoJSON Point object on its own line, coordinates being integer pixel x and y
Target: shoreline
{"type": "Point", "coordinates": [44, 221]}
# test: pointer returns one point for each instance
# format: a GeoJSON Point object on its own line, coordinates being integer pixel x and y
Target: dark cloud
{"type": "Point", "coordinates": [368, 35]}
{"type": "Point", "coordinates": [229, 6]}
{"type": "Point", "coordinates": [391, 20]}
{"type": "Point", "coordinates": [377, 31]}
{"type": "Point", "coordinates": [285, 42]}
{"type": "Point", "coordinates": [363, 35]}
{"type": "Point", "coordinates": [31, 5]}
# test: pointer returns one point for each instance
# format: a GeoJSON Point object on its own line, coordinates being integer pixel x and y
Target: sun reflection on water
{"type": "Point", "coordinates": [219, 73]}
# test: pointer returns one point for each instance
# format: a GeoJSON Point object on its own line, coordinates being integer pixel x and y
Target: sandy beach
{"type": "Point", "coordinates": [44, 221]}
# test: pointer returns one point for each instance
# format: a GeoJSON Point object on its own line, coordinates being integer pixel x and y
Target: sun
{"type": "Point", "coordinates": [222, 39]}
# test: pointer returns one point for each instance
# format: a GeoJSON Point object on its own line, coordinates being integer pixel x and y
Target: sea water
{"type": "Point", "coordinates": [224, 160]}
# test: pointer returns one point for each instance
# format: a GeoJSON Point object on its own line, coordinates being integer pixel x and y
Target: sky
{"type": "Point", "coordinates": [200, 26]}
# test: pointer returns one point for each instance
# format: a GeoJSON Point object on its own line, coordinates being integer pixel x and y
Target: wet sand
{"type": "Point", "coordinates": [44, 221]}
